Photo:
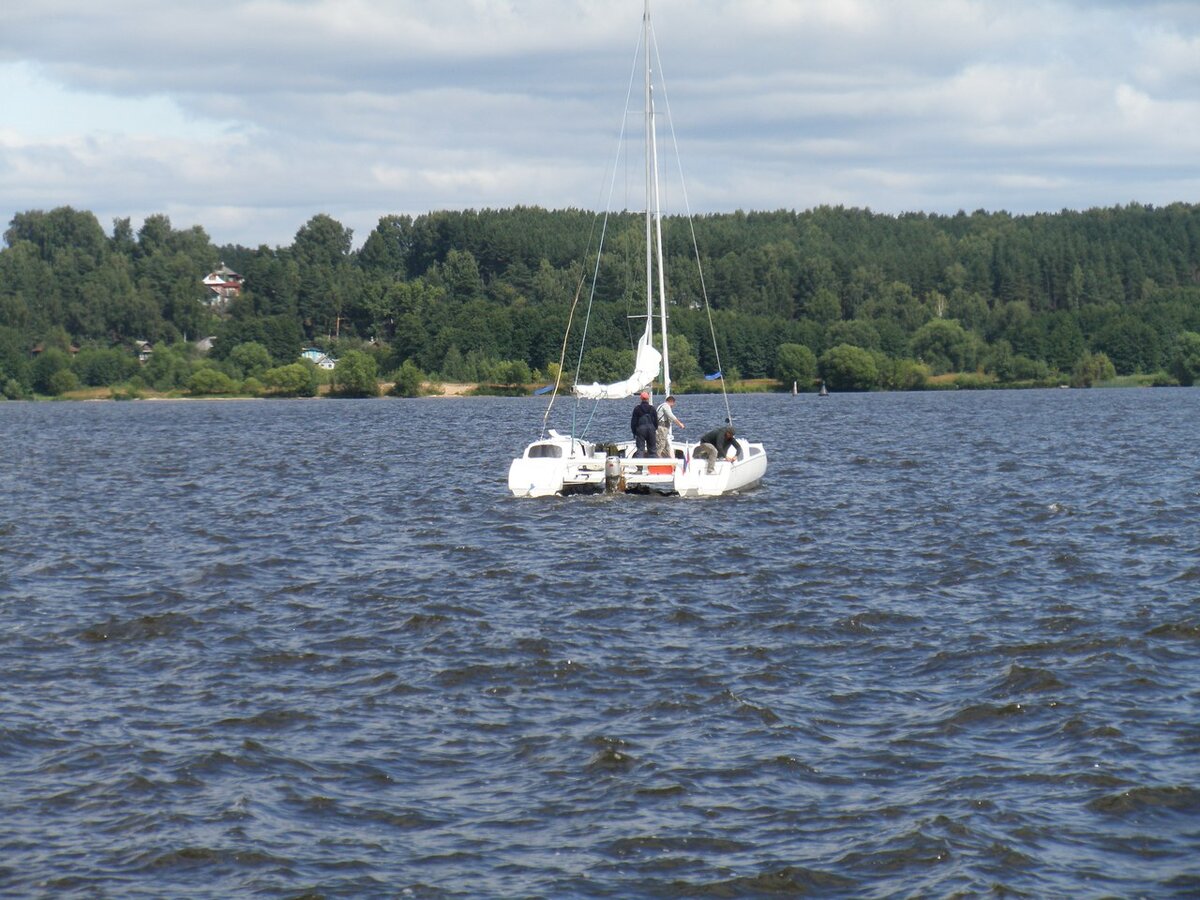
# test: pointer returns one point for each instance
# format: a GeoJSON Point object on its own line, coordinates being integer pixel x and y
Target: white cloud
{"type": "Point", "coordinates": [250, 116]}
{"type": "Point", "coordinates": [38, 107]}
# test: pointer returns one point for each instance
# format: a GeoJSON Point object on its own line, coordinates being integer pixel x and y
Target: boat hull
{"type": "Point", "coordinates": [560, 465]}
{"type": "Point", "coordinates": [689, 477]}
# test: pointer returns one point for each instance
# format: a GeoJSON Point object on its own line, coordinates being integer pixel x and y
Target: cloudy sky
{"type": "Point", "coordinates": [248, 117]}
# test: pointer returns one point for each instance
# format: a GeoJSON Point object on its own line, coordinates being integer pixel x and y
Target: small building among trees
{"type": "Point", "coordinates": [223, 285]}
{"type": "Point", "coordinates": [320, 357]}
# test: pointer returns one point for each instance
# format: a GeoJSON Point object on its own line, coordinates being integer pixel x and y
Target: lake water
{"type": "Point", "coordinates": [314, 649]}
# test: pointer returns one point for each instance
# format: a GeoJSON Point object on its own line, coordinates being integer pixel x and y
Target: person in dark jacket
{"type": "Point", "coordinates": [715, 445]}
{"type": "Point", "coordinates": [644, 425]}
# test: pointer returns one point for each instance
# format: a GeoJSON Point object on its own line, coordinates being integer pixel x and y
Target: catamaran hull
{"type": "Point", "coordinates": [557, 464]}
{"type": "Point", "coordinates": [690, 477]}
{"type": "Point", "coordinates": [544, 478]}
{"type": "Point", "coordinates": [560, 465]}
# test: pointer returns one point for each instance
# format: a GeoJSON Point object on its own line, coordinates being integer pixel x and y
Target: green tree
{"type": "Point", "coordinates": [386, 248]}
{"type": "Point", "coordinates": [1185, 361]}
{"type": "Point", "coordinates": [905, 375]}
{"type": "Point", "coordinates": [461, 276]}
{"type": "Point", "coordinates": [685, 369]}
{"type": "Point", "coordinates": [1026, 369]}
{"type": "Point", "coordinates": [408, 380]}
{"type": "Point", "coordinates": [498, 285]}
{"type": "Point", "coordinates": [823, 306]}
{"type": "Point", "coordinates": [14, 390]}
{"type": "Point", "coordinates": [48, 362]}
{"type": "Point", "coordinates": [849, 368]}
{"type": "Point", "coordinates": [281, 335]}
{"type": "Point", "coordinates": [251, 358]}
{"type": "Point", "coordinates": [298, 379]}
{"type": "Point", "coordinates": [167, 369]}
{"type": "Point", "coordinates": [322, 243]}
{"type": "Point", "coordinates": [795, 363]}
{"type": "Point", "coordinates": [61, 381]}
{"type": "Point", "coordinates": [999, 360]}
{"type": "Point", "coordinates": [1131, 344]}
{"type": "Point", "coordinates": [97, 367]}
{"type": "Point", "coordinates": [60, 234]}
{"type": "Point", "coordinates": [454, 367]}
{"type": "Point", "coordinates": [329, 286]}
{"type": "Point", "coordinates": [944, 346]}
{"type": "Point", "coordinates": [155, 234]}
{"type": "Point", "coordinates": [856, 332]}
{"type": "Point", "coordinates": [1064, 343]}
{"type": "Point", "coordinates": [14, 357]}
{"type": "Point", "coordinates": [210, 381]}
{"type": "Point", "coordinates": [355, 376]}
{"type": "Point", "coordinates": [1092, 368]}
{"type": "Point", "coordinates": [122, 238]}
{"type": "Point", "coordinates": [516, 372]}
{"type": "Point", "coordinates": [603, 364]}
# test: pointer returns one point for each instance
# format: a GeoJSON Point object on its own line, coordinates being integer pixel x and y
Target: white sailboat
{"type": "Point", "coordinates": [568, 463]}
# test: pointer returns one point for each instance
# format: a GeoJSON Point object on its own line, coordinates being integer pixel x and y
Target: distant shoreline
{"type": "Point", "coordinates": [429, 389]}
{"type": "Point", "coordinates": [459, 389]}
{"type": "Point", "coordinates": [107, 394]}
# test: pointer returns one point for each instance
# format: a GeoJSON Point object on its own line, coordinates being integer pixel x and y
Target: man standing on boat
{"type": "Point", "coordinates": [715, 445]}
{"type": "Point", "coordinates": [666, 415]}
{"type": "Point", "coordinates": [644, 424]}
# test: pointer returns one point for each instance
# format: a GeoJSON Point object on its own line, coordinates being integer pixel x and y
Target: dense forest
{"type": "Point", "coordinates": [859, 299]}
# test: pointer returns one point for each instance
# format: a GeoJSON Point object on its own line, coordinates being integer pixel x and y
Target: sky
{"type": "Point", "coordinates": [249, 117]}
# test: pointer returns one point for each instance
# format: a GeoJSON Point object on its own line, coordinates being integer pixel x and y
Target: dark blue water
{"type": "Point", "coordinates": [313, 648]}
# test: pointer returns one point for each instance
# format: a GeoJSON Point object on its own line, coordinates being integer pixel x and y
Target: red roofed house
{"type": "Point", "coordinates": [223, 285]}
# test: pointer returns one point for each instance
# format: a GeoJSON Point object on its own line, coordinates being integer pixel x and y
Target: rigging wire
{"type": "Point", "coordinates": [691, 225]}
{"type": "Point", "coordinates": [612, 186]}
{"type": "Point", "coordinates": [604, 220]}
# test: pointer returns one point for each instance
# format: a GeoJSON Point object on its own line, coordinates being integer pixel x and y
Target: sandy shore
{"type": "Point", "coordinates": [451, 389]}
{"type": "Point", "coordinates": [440, 389]}
{"type": "Point", "coordinates": [429, 389]}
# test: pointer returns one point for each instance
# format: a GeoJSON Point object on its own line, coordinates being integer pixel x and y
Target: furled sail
{"type": "Point", "coordinates": [645, 370]}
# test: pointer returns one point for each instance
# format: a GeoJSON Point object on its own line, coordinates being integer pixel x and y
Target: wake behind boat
{"type": "Point", "coordinates": [570, 463]}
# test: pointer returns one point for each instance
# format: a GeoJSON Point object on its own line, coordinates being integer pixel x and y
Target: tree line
{"type": "Point", "coordinates": [859, 299]}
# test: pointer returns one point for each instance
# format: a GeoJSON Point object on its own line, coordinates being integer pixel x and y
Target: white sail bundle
{"type": "Point", "coordinates": [645, 370]}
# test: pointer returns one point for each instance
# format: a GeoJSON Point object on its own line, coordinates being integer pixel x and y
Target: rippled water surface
{"type": "Point", "coordinates": [313, 648]}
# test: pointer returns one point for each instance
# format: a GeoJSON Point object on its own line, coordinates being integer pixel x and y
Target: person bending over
{"type": "Point", "coordinates": [715, 445]}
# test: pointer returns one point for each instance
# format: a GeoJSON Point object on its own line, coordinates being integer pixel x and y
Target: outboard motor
{"type": "Point", "coordinates": [614, 475]}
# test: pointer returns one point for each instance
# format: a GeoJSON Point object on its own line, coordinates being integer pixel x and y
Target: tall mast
{"type": "Point", "coordinates": [653, 202]}
{"type": "Point", "coordinates": [649, 174]}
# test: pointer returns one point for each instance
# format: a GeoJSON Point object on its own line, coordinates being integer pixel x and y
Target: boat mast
{"type": "Point", "coordinates": [649, 175]}
{"type": "Point", "coordinates": [654, 249]}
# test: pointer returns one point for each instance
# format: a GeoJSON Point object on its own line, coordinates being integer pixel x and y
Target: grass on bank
{"type": "Point", "coordinates": [950, 381]}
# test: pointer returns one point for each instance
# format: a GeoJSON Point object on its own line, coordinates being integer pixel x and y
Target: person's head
{"type": "Point", "coordinates": [729, 431]}
{"type": "Point", "coordinates": [645, 395]}
{"type": "Point", "coordinates": [671, 399]}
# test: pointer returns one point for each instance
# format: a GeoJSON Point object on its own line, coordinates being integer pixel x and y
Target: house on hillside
{"type": "Point", "coordinates": [143, 350]}
{"type": "Point", "coordinates": [320, 357]}
{"type": "Point", "coordinates": [223, 285]}
{"type": "Point", "coordinates": [40, 348]}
